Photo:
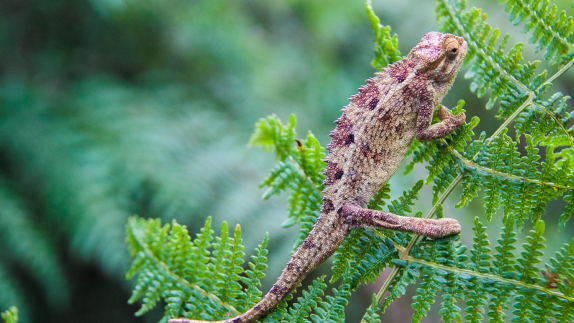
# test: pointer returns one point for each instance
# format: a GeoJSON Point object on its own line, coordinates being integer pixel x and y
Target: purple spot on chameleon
{"type": "Point", "coordinates": [350, 139]}
{"type": "Point", "coordinates": [399, 71]}
{"type": "Point", "coordinates": [373, 104]}
{"type": "Point", "coordinates": [332, 172]}
{"type": "Point", "coordinates": [327, 206]}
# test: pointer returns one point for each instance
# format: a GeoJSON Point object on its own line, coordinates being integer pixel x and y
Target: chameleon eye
{"type": "Point", "coordinates": [451, 54]}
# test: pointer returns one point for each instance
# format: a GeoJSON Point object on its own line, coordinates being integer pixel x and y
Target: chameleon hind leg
{"type": "Point", "coordinates": [358, 217]}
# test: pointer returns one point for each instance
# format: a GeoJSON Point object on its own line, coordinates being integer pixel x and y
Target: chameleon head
{"type": "Point", "coordinates": [439, 55]}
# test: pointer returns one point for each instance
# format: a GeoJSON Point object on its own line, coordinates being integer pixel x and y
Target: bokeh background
{"type": "Point", "coordinates": [110, 108]}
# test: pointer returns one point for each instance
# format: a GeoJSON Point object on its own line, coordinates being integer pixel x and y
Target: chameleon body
{"type": "Point", "coordinates": [368, 144]}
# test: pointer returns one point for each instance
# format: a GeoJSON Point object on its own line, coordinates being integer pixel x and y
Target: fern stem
{"type": "Point", "coordinates": [405, 251]}
{"type": "Point", "coordinates": [491, 277]}
{"type": "Point", "coordinates": [558, 73]}
{"type": "Point", "coordinates": [513, 116]}
{"type": "Point", "coordinates": [471, 164]}
{"type": "Point", "coordinates": [165, 269]}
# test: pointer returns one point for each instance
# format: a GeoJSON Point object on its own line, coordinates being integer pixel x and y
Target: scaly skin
{"type": "Point", "coordinates": [370, 141]}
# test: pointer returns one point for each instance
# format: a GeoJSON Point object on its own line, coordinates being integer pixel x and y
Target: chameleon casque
{"type": "Point", "coordinates": [368, 144]}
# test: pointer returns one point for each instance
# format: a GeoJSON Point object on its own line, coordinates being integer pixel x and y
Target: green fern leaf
{"type": "Point", "coordinates": [421, 153]}
{"type": "Point", "coordinates": [402, 206]}
{"type": "Point", "coordinates": [10, 315]}
{"type": "Point", "coordinates": [386, 46]}
{"type": "Point", "coordinates": [199, 255]}
{"type": "Point", "coordinates": [372, 313]}
{"type": "Point", "coordinates": [568, 210]}
{"type": "Point", "coordinates": [432, 279]}
{"type": "Point", "coordinates": [503, 263]}
{"type": "Point", "coordinates": [231, 288]}
{"type": "Point", "coordinates": [372, 255]}
{"type": "Point", "coordinates": [378, 200]}
{"type": "Point", "coordinates": [333, 310]}
{"type": "Point", "coordinates": [299, 169]}
{"type": "Point", "coordinates": [188, 276]}
{"type": "Point", "coordinates": [271, 134]}
{"type": "Point", "coordinates": [299, 312]}
{"type": "Point", "coordinates": [346, 256]}
{"type": "Point", "coordinates": [455, 283]}
{"type": "Point", "coordinates": [549, 31]}
{"type": "Point", "coordinates": [476, 298]}
{"type": "Point", "coordinates": [528, 300]}
{"type": "Point", "coordinates": [408, 274]}
{"type": "Point", "coordinates": [254, 274]}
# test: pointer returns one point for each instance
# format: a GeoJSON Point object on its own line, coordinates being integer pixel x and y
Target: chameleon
{"type": "Point", "coordinates": [368, 143]}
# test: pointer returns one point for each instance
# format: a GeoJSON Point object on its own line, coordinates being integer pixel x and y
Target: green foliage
{"type": "Point", "coordinates": [188, 274]}
{"type": "Point", "coordinates": [386, 46]}
{"type": "Point", "coordinates": [10, 315]}
{"type": "Point", "coordinates": [299, 169]}
{"type": "Point", "coordinates": [333, 309]}
{"type": "Point", "coordinates": [304, 305]}
{"type": "Point", "coordinates": [115, 108]}
{"type": "Point", "coordinates": [521, 167]}
{"type": "Point", "coordinates": [371, 315]}
{"type": "Point", "coordinates": [508, 178]}
{"type": "Point", "coordinates": [201, 278]}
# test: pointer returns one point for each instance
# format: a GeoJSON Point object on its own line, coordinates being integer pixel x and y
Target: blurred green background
{"type": "Point", "coordinates": [110, 108]}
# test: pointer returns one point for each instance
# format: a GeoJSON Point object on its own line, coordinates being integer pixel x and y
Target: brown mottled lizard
{"type": "Point", "coordinates": [368, 144]}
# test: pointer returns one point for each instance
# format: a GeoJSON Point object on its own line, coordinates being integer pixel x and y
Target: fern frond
{"type": "Point", "coordinates": [408, 273]}
{"type": "Point", "coordinates": [346, 255]}
{"type": "Point", "coordinates": [299, 169]}
{"type": "Point", "coordinates": [372, 255]}
{"type": "Point", "coordinates": [550, 31]}
{"type": "Point", "coordinates": [231, 289]}
{"type": "Point", "coordinates": [503, 266]}
{"type": "Point", "coordinates": [470, 187]}
{"type": "Point", "coordinates": [254, 274]}
{"type": "Point", "coordinates": [455, 282]}
{"type": "Point", "coordinates": [333, 310]}
{"type": "Point", "coordinates": [271, 134]}
{"type": "Point", "coordinates": [378, 200]}
{"type": "Point", "coordinates": [299, 312]}
{"type": "Point", "coordinates": [386, 46]}
{"type": "Point", "coordinates": [432, 279]}
{"type": "Point", "coordinates": [164, 259]}
{"type": "Point", "coordinates": [402, 205]}
{"type": "Point", "coordinates": [479, 263]}
{"type": "Point", "coordinates": [372, 313]}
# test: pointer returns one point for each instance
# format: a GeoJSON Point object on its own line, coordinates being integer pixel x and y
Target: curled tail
{"type": "Point", "coordinates": [323, 240]}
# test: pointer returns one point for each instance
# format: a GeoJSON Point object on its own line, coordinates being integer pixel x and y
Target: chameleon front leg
{"type": "Point", "coordinates": [448, 124]}
{"type": "Point", "coordinates": [358, 217]}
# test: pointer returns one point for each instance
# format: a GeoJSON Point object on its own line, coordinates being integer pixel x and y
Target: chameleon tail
{"type": "Point", "coordinates": [321, 243]}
